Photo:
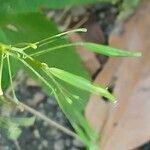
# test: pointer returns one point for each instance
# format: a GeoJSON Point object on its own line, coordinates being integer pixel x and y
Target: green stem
{"type": "Point", "coordinates": [62, 34]}
{"type": "Point", "coordinates": [1, 72]}
{"type": "Point", "coordinates": [55, 48]}
{"type": "Point", "coordinates": [50, 39]}
{"type": "Point", "coordinates": [10, 78]}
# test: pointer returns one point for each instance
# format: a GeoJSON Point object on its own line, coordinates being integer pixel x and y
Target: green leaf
{"type": "Point", "coordinates": [80, 82]}
{"type": "Point", "coordinates": [3, 37]}
{"type": "Point", "coordinates": [24, 121]}
{"type": "Point", "coordinates": [67, 3]}
{"type": "Point", "coordinates": [10, 126]}
{"type": "Point", "coordinates": [109, 51]}
{"type": "Point", "coordinates": [127, 8]}
{"type": "Point", "coordinates": [21, 6]}
{"type": "Point", "coordinates": [5, 76]}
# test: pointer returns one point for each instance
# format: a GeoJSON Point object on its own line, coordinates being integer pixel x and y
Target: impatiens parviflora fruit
{"type": "Point", "coordinates": [80, 83]}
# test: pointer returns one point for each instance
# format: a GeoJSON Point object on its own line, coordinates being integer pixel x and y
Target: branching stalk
{"type": "Point", "coordinates": [49, 39]}
{"type": "Point", "coordinates": [10, 78]}
{"type": "Point", "coordinates": [62, 34]}
{"type": "Point", "coordinates": [55, 48]}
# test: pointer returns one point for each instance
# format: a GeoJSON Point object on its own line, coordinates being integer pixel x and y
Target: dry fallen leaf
{"type": "Point", "coordinates": [128, 123]}
{"type": "Point", "coordinates": [97, 109]}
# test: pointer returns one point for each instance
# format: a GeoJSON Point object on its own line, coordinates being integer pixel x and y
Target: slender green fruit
{"type": "Point", "coordinates": [109, 51]}
{"type": "Point", "coordinates": [81, 83]}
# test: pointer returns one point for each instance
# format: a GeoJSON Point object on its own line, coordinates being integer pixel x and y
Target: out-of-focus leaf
{"type": "Point", "coordinates": [109, 51]}
{"type": "Point", "coordinates": [131, 4]}
{"type": "Point", "coordinates": [64, 3]}
{"type": "Point", "coordinates": [10, 126]}
{"type": "Point", "coordinates": [24, 121]}
{"type": "Point", "coordinates": [127, 8]}
{"type": "Point", "coordinates": [16, 6]}
{"type": "Point", "coordinates": [22, 6]}
{"type": "Point", "coordinates": [3, 37]}
{"type": "Point", "coordinates": [5, 76]}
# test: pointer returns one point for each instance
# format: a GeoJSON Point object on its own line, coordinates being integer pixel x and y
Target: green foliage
{"type": "Point", "coordinates": [10, 126]}
{"type": "Point", "coordinates": [31, 42]}
{"type": "Point", "coordinates": [127, 8]}
{"type": "Point", "coordinates": [68, 101]}
{"type": "Point", "coordinates": [3, 36]}
{"type": "Point", "coordinates": [15, 6]}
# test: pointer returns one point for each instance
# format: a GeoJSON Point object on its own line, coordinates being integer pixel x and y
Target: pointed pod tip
{"type": "Point", "coordinates": [138, 54]}
{"type": "Point", "coordinates": [115, 101]}
{"type": "Point", "coordinates": [112, 99]}
{"type": "Point", "coordinates": [1, 93]}
{"type": "Point", "coordinates": [134, 54]}
{"type": "Point", "coordinates": [83, 29]}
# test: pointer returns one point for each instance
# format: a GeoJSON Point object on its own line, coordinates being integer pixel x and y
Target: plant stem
{"type": "Point", "coordinates": [17, 145]}
{"type": "Point", "coordinates": [62, 34]}
{"type": "Point", "coordinates": [55, 48]}
{"type": "Point", "coordinates": [1, 73]}
{"type": "Point", "coordinates": [52, 123]}
{"type": "Point", "coordinates": [10, 78]}
{"type": "Point", "coordinates": [48, 120]}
